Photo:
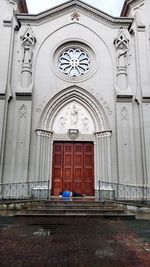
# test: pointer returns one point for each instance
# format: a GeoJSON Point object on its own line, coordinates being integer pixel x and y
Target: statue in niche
{"type": "Point", "coordinates": [85, 122]}
{"type": "Point", "coordinates": [121, 44]}
{"type": "Point", "coordinates": [122, 57]}
{"type": "Point", "coordinates": [74, 116]}
{"type": "Point", "coordinates": [28, 41]}
{"type": "Point", "coordinates": [27, 56]}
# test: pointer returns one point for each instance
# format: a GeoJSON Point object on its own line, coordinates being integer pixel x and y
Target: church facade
{"type": "Point", "coordinates": [75, 95]}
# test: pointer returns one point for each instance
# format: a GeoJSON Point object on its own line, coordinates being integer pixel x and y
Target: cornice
{"type": "Point", "coordinates": [74, 5]}
{"type": "Point", "coordinates": [127, 5]}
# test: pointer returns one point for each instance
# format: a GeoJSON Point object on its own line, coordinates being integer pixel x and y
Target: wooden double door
{"type": "Point", "coordinates": [73, 167]}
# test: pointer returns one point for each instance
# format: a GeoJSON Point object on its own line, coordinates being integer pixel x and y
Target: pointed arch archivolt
{"type": "Point", "coordinates": [77, 95]}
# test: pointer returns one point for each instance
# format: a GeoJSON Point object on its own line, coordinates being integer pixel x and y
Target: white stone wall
{"type": "Point", "coordinates": [115, 92]}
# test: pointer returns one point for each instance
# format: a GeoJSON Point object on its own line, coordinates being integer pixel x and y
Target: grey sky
{"type": "Point", "coordinates": [113, 7]}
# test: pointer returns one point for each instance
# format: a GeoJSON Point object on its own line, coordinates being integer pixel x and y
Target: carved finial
{"type": "Point", "coordinates": [75, 15]}
{"type": "Point", "coordinates": [121, 40]}
{"type": "Point", "coordinates": [28, 38]}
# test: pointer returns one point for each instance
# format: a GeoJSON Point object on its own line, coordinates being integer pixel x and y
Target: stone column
{"type": "Point", "coordinates": [6, 54]}
{"type": "Point", "coordinates": [23, 112]}
{"type": "Point", "coordinates": [103, 154]}
{"type": "Point", "coordinates": [43, 167]}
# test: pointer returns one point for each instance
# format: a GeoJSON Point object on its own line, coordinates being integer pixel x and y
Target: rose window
{"type": "Point", "coordinates": [74, 62]}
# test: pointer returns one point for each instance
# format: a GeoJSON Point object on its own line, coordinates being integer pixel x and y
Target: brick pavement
{"type": "Point", "coordinates": [73, 242]}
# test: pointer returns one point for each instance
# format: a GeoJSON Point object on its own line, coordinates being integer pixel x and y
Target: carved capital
{"type": "Point", "coordinates": [43, 133]}
{"type": "Point", "coordinates": [101, 134]}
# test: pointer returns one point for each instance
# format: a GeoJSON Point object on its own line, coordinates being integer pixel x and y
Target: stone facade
{"type": "Point", "coordinates": [75, 73]}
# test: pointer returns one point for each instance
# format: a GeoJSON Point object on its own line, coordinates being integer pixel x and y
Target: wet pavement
{"type": "Point", "coordinates": [74, 242]}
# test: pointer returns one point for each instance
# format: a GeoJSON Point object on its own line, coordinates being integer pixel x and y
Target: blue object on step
{"type": "Point", "coordinates": [66, 194]}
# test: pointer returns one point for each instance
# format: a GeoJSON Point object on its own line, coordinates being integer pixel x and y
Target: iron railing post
{"type": "Point", "coordinates": [99, 186]}
{"type": "Point", "coordinates": [48, 189]}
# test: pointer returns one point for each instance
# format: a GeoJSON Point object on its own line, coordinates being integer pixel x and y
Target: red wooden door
{"type": "Point", "coordinates": [89, 169]}
{"type": "Point", "coordinates": [73, 167]}
{"type": "Point", "coordinates": [67, 167]}
{"type": "Point", "coordinates": [78, 168]}
{"type": "Point", "coordinates": [57, 168]}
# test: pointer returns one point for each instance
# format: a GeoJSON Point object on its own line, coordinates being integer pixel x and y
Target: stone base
{"type": "Point", "coordinates": [105, 193]}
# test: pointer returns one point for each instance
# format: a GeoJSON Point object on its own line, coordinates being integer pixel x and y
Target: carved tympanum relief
{"type": "Point", "coordinates": [73, 116]}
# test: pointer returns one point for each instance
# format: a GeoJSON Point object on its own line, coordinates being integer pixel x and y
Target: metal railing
{"type": "Point", "coordinates": [123, 192]}
{"type": "Point", "coordinates": [29, 190]}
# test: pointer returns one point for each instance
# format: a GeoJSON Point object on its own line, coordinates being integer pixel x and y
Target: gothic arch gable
{"type": "Point", "coordinates": [80, 96]}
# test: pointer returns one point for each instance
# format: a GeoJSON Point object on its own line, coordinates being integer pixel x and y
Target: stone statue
{"type": "Point", "coordinates": [62, 122]}
{"type": "Point", "coordinates": [122, 56]}
{"type": "Point", "coordinates": [74, 116]}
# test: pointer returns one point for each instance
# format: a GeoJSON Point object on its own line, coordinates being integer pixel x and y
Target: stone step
{"type": "Point", "coordinates": [67, 214]}
{"type": "Point", "coordinates": [66, 203]}
{"type": "Point", "coordinates": [77, 210]}
{"type": "Point", "coordinates": [73, 207]}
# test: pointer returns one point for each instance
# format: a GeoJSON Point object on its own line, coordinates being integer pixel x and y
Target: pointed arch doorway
{"type": "Point", "coordinates": [74, 117]}
{"type": "Point", "coordinates": [73, 167]}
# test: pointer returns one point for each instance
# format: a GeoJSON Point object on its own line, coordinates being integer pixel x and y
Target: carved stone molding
{"type": "Point", "coordinates": [24, 96]}
{"type": "Point", "coordinates": [2, 96]}
{"type": "Point", "coordinates": [43, 133]}
{"type": "Point", "coordinates": [124, 114]}
{"type": "Point", "coordinates": [75, 16]}
{"type": "Point", "coordinates": [78, 5]}
{"type": "Point", "coordinates": [23, 111]}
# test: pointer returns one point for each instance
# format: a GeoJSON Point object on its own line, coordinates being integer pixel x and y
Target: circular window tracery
{"type": "Point", "coordinates": [74, 62]}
